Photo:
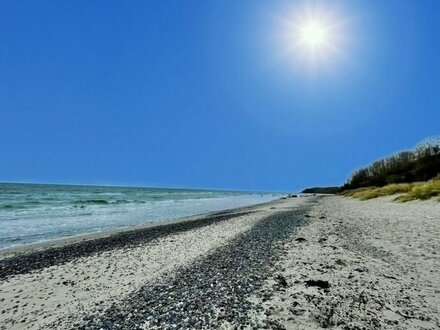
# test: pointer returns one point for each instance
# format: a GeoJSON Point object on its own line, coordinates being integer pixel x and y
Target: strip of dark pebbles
{"type": "Point", "coordinates": [28, 262]}
{"type": "Point", "coordinates": [213, 290]}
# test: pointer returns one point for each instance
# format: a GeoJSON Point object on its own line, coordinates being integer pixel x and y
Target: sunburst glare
{"type": "Point", "coordinates": [312, 35]}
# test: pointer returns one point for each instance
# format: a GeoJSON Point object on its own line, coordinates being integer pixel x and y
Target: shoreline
{"type": "Point", "coordinates": [69, 286]}
{"type": "Point", "coordinates": [23, 259]}
{"type": "Point", "coordinates": [13, 251]}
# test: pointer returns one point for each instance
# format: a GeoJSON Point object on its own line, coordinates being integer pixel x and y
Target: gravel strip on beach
{"type": "Point", "coordinates": [23, 264]}
{"type": "Point", "coordinates": [212, 292]}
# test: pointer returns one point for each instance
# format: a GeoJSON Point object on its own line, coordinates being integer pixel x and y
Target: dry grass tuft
{"type": "Point", "coordinates": [423, 190]}
{"type": "Point", "coordinates": [408, 191]}
{"type": "Point", "coordinates": [352, 192]}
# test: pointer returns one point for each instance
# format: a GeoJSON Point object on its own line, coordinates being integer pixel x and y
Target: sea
{"type": "Point", "coordinates": [31, 213]}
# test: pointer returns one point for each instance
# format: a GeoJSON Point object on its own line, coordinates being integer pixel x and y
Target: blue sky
{"type": "Point", "coordinates": [195, 94]}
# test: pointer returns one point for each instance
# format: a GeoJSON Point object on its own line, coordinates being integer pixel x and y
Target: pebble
{"type": "Point", "coordinates": [214, 289]}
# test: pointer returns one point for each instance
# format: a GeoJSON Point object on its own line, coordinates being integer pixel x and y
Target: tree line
{"type": "Point", "coordinates": [420, 164]}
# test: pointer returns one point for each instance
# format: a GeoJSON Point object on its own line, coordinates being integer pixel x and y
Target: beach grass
{"type": "Point", "coordinates": [407, 191]}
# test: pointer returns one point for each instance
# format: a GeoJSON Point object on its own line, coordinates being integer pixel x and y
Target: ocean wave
{"type": "Point", "coordinates": [49, 212]}
{"type": "Point", "coordinates": [81, 203]}
{"type": "Point", "coordinates": [122, 201]}
{"type": "Point", "coordinates": [92, 201]}
{"type": "Point", "coordinates": [9, 207]}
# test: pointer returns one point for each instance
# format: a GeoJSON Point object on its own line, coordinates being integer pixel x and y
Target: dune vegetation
{"type": "Point", "coordinates": [420, 164]}
{"type": "Point", "coordinates": [413, 174]}
{"type": "Point", "coordinates": [406, 191]}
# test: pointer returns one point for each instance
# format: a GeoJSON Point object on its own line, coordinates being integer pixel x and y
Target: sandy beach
{"type": "Point", "coordinates": [298, 263]}
{"type": "Point", "coordinates": [359, 265]}
{"type": "Point", "coordinates": [230, 165]}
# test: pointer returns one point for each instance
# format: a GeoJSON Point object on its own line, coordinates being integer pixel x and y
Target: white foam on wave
{"type": "Point", "coordinates": [48, 222]}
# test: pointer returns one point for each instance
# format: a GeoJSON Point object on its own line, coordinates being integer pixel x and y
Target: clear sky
{"type": "Point", "coordinates": [202, 93]}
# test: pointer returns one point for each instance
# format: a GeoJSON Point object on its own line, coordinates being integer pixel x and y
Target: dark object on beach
{"type": "Point", "coordinates": [292, 196]}
{"type": "Point", "coordinates": [318, 283]}
{"type": "Point", "coordinates": [68, 282]}
{"type": "Point", "coordinates": [321, 190]}
{"type": "Point", "coordinates": [307, 216]}
{"type": "Point", "coordinates": [281, 280]}
{"type": "Point", "coordinates": [300, 239]}
{"type": "Point", "coordinates": [297, 311]}
{"type": "Point", "coordinates": [322, 217]}
{"type": "Point", "coordinates": [322, 240]}
{"type": "Point", "coordinates": [361, 269]}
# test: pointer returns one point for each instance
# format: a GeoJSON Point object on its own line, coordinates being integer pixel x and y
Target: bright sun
{"type": "Point", "coordinates": [313, 34]}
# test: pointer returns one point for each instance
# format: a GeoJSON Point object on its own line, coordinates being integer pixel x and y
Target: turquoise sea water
{"type": "Point", "coordinates": [34, 212]}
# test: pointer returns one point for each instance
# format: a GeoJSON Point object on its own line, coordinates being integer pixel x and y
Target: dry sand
{"type": "Point", "coordinates": [378, 258]}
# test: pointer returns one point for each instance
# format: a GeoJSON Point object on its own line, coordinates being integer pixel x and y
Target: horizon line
{"type": "Point", "coordinates": [139, 186]}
